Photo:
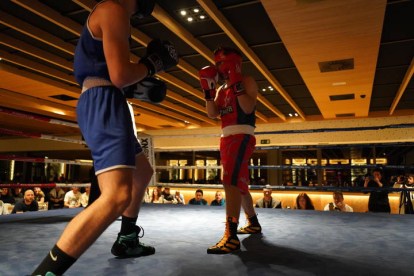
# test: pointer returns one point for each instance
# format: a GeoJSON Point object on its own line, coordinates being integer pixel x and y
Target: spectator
{"type": "Point", "coordinates": [17, 194]}
{"type": "Point", "coordinates": [6, 196]}
{"type": "Point", "coordinates": [262, 182]}
{"type": "Point", "coordinates": [56, 197]}
{"type": "Point", "coordinates": [378, 200]}
{"type": "Point", "coordinates": [39, 195]}
{"type": "Point", "coordinates": [219, 201]}
{"type": "Point", "coordinates": [85, 197]}
{"type": "Point", "coordinates": [159, 188]}
{"type": "Point", "coordinates": [72, 198]}
{"type": "Point", "coordinates": [168, 197]}
{"type": "Point", "coordinates": [179, 198]}
{"type": "Point", "coordinates": [338, 204]}
{"type": "Point", "coordinates": [156, 196]}
{"type": "Point", "coordinates": [198, 200]}
{"type": "Point", "coordinates": [27, 204]}
{"type": "Point", "coordinates": [303, 202]}
{"type": "Point", "coordinates": [146, 197]}
{"type": "Point", "coordinates": [3, 208]}
{"type": "Point", "coordinates": [268, 201]}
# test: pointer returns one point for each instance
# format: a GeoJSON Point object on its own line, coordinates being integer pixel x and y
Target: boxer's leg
{"type": "Point", "coordinates": [87, 226]}
{"type": "Point", "coordinates": [127, 243]}
{"type": "Point", "coordinates": [230, 159]}
{"type": "Point", "coordinates": [253, 226]}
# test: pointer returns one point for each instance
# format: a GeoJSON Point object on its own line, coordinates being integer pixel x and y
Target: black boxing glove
{"type": "Point", "coordinates": [149, 90]}
{"type": "Point", "coordinates": [161, 55]}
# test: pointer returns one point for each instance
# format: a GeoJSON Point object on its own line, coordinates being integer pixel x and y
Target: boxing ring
{"type": "Point", "coordinates": [293, 242]}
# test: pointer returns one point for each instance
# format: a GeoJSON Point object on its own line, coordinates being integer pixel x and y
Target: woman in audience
{"type": "Point", "coordinates": [156, 196]}
{"type": "Point", "coordinates": [303, 202]}
{"type": "Point", "coordinates": [39, 195]}
{"type": "Point", "coordinates": [147, 197]}
{"type": "Point", "coordinates": [6, 196]}
{"type": "Point", "coordinates": [219, 200]}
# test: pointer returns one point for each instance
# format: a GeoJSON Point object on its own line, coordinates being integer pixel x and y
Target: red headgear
{"type": "Point", "coordinates": [221, 57]}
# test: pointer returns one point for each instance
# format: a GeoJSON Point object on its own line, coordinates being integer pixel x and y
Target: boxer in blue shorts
{"type": "Point", "coordinates": [103, 68]}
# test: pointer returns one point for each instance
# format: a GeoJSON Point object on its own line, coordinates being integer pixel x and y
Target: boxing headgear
{"type": "Point", "coordinates": [221, 57]}
{"type": "Point", "coordinates": [144, 8]}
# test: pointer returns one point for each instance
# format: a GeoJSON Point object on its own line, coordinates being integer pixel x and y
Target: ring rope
{"type": "Point", "coordinates": [40, 136]}
{"type": "Point", "coordinates": [298, 131]}
{"type": "Point", "coordinates": [36, 117]}
{"type": "Point", "coordinates": [43, 160]}
{"type": "Point", "coordinates": [45, 185]}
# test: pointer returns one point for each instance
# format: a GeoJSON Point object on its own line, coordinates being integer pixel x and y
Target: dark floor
{"type": "Point", "coordinates": [293, 243]}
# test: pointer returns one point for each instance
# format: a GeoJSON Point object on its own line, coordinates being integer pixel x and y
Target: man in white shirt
{"type": "Point", "coordinates": [338, 204]}
{"type": "Point", "coordinates": [73, 198]}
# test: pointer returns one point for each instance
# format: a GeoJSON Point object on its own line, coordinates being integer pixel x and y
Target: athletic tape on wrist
{"type": "Point", "coordinates": [238, 89]}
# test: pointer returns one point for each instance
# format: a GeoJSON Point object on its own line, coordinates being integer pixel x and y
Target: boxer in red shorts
{"type": "Point", "coordinates": [235, 103]}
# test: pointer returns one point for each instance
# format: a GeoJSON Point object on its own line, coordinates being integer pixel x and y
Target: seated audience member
{"type": "Point", "coordinates": [27, 204]}
{"type": "Point", "coordinates": [219, 201]}
{"type": "Point", "coordinates": [156, 196]}
{"type": "Point", "coordinates": [168, 197]}
{"type": "Point", "coordinates": [378, 200]}
{"type": "Point", "coordinates": [338, 204]}
{"type": "Point", "coordinates": [3, 208]}
{"type": "Point", "coordinates": [56, 197]}
{"type": "Point", "coordinates": [268, 201]}
{"type": "Point", "coordinates": [147, 197]}
{"type": "Point", "coordinates": [198, 200]}
{"type": "Point", "coordinates": [39, 195]}
{"type": "Point", "coordinates": [6, 196]}
{"type": "Point", "coordinates": [72, 198]}
{"type": "Point", "coordinates": [17, 194]}
{"type": "Point", "coordinates": [303, 202]}
{"type": "Point", "coordinates": [85, 197]}
{"type": "Point", "coordinates": [159, 188]}
{"type": "Point", "coordinates": [179, 198]}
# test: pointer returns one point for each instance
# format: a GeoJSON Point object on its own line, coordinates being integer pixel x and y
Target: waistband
{"type": "Point", "coordinates": [237, 129]}
{"type": "Point", "coordinates": [90, 82]}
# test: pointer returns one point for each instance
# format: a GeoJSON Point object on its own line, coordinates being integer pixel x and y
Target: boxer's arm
{"type": "Point", "coordinates": [212, 110]}
{"type": "Point", "coordinates": [111, 22]}
{"type": "Point", "coordinates": [247, 101]}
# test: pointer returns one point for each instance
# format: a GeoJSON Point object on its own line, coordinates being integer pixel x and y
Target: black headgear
{"type": "Point", "coordinates": [144, 8]}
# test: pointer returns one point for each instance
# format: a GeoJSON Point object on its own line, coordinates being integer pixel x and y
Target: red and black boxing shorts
{"type": "Point", "coordinates": [235, 151]}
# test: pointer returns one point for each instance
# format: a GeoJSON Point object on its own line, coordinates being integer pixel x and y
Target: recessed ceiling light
{"type": "Point", "coordinates": [264, 89]}
{"type": "Point", "coordinates": [0, 58]}
{"type": "Point", "coordinates": [187, 122]}
{"type": "Point", "coordinates": [183, 12]}
{"type": "Point", "coordinates": [296, 114]}
{"type": "Point", "coordinates": [196, 10]}
{"type": "Point", "coordinates": [269, 87]}
{"type": "Point", "coordinates": [202, 16]}
{"type": "Point", "coordinates": [190, 19]}
{"type": "Point", "coordinates": [339, 83]}
{"type": "Point", "coordinates": [290, 114]}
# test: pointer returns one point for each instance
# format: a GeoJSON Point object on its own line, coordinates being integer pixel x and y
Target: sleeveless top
{"type": "Point", "coordinates": [230, 110]}
{"type": "Point", "coordinates": [89, 55]}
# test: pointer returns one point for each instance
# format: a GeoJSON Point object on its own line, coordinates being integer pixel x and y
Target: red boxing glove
{"type": "Point", "coordinates": [235, 77]}
{"type": "Point", "coordinates": [208, 79]}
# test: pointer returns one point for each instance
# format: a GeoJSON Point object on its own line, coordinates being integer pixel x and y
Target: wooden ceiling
{"type": "Point", "coordinates": [282, 42]}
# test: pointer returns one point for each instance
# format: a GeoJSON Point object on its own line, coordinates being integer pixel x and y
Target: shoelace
{"type": "Point", "coordinates": [142, 232]}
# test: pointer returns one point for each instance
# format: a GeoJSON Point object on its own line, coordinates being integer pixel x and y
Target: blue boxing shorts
{"type": "Point", "coordinates": [106, 125]}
